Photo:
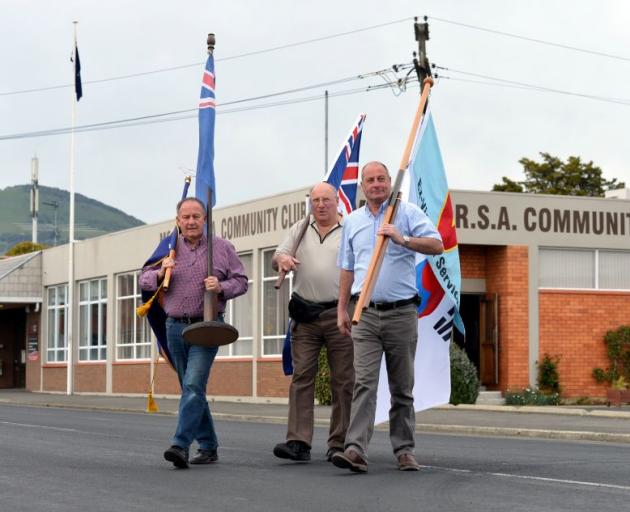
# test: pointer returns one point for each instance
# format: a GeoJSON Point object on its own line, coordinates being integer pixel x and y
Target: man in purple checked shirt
{"type": "Point", "coordinates": [183, 304]}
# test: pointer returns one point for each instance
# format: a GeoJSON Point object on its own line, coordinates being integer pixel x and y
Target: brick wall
{"type": "Point", "coordinates": [90, 378]}
{"type": "Point", "coordinates": [231, 378]}
{"type": "Point", "coordinates": [54, 378]}
{"type": "Point", "coordinates": [472, 260]}
{"type": "Point", "coordinates": [271, 379]}
{"type": "Point", "coordinates": [572, 326]}
{"type": "Point", "coordinates": [507, 275]}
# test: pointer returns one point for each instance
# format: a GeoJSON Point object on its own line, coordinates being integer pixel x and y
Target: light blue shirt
{"type": "Point", "coordinates": [397, 277]}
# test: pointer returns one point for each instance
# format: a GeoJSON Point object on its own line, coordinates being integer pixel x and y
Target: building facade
{"type": "Point", "coordinates": [540, 275]}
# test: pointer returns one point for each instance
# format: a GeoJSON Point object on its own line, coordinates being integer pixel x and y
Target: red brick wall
{"type": "Point", "coordinates": [90, 378]}
{"type": "Point", "coordinates": [507, 275]}
{"type": "Point", "coordinates": [271, 379]}
{"type": "Point", "coordinates": [132, 378]}
{"type": "Point", "coordinates": [55, 378]}
{"type": "Point", "coordinates": [472, 260]}
{"type": "Point", "coordinates": [572, 326]}
{"type": "Point", "coordinates": [33, 328]}
{"type": "Point", "coordinates": [231, 378]}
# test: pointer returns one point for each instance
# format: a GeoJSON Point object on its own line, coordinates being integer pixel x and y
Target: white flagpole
{"type": "Point", "coordinates": [70, 358]}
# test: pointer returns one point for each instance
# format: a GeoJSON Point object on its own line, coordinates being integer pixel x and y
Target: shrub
{"type": "Point", "coordinates": [464, 379]}
{"type": "Point", "coordinates": [24, 248]}
{"type": "Point", "coordinates": [618, 350]}
{"type": "Point", "coordinates": [322, 379]}
{"type": "Point", "coordinates": [530, 396]}
{"type": "Point", "coordinates": [548, 377]}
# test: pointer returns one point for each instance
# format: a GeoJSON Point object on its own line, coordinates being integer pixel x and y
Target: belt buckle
{"type": "Point", "coordinates": [379, 305]}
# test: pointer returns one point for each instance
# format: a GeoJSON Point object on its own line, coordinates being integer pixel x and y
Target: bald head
{"type": "Point", "coordinates": [324, 202]}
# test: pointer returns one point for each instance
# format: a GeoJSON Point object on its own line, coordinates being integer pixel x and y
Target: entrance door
{"type": "Point", "coordinates": [489, 339]}
{"type": "Point", "coordinates": [12, 336]}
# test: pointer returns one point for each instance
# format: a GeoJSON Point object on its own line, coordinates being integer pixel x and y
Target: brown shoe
{"type": "Point", "coordinates": [407, 462]}
{"type": "Point", "coordinates": [351, 460]}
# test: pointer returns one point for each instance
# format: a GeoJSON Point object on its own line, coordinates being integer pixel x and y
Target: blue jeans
{"type": "Point", "coordinates": [192, 363]}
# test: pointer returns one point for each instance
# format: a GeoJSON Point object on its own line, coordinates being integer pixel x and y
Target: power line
{"type": "Point", "coordinates": [198, 64]}
{"type": "Point", "coordinates": [532, 39]}
{"type": "Point", "coordinates": [191, 113]}
{"type": "Point", "coordinates": [523, 85]}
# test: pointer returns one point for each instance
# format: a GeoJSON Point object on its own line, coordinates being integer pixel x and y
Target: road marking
{"type": "Point", "coordinates": [535, 478]}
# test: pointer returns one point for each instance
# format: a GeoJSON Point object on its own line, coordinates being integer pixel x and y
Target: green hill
{"type": "Point", "coordinates": [92, 218]}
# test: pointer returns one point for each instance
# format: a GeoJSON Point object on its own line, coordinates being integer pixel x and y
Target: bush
{"type": "Point", "coordinates": [529, 396]}
{"type": "Point", "coordinates": [548, 377]}
{"type": "Point", "coordinates": [24, 248]}
{"type": "Point", "coordinates": [322, 379]}
{"type": "Point", "coordinates": [618, 350]}
{"type": "Point", "coordinates": [464, 379]}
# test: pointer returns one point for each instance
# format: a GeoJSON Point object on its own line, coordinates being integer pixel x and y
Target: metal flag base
{"type": "Point", "coordinates": [210, 334]}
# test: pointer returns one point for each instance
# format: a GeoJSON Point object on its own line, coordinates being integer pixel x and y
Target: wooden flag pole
{"type": "Point", "coordinates": [390, 212]}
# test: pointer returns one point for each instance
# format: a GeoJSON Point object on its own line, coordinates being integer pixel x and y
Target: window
{"type": "Point", "coordinates": [93, 320]}
{"type": "Point", "coordinates": [133, 337]}
{"type": "Point", "coordinates": [584, 268]}
{"type": "Point", "coordinates": [274, 307]}
{"type": "Point", "coordinates": [57, 308]}
{"type": "Point", "coordinates": [238, 313]}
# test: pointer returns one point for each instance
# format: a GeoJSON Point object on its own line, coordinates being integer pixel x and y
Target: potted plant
{"type": "Point", "coordinates": [618, 393]}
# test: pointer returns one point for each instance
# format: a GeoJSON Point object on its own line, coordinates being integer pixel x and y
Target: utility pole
{"type": "Point", "coordinates": [421, 61]}
{"type": "Point", "coordinates": [325, 132]}
{"type": "Point", "coordinates": [34, 196]}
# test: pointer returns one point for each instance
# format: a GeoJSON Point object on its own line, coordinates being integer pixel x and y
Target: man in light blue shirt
{"type": "Point", "coordinates": [389, 325]}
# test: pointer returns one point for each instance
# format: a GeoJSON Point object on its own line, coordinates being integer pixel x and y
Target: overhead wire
{"type": "Point", "coordinates": [531, 39]}
{"type": "Point", "coordinates": [220, 59]}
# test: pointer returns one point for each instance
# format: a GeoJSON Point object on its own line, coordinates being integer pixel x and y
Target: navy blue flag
{"type": "Point", "coordinates": [78, 88]}
{"type": "Point", "coordinates": [344, 176]}
{"type": "Point", "coordinates": [155, 314]}
{"type": "Point", "coordinates": [207, 114]}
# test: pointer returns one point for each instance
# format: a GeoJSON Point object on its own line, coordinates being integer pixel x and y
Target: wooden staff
{"type": "Point", "coordinates": [390, 212]}
{"type": "Point", "coordinates": [171, 251]}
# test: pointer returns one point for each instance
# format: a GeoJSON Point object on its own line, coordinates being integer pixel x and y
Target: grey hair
{"type": "Point", "coordinates": [200, 203]}
{"type": "Point", "coordinates": [375, 162]}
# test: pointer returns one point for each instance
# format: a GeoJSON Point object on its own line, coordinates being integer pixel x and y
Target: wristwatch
{"type": "Point", "coordinates": [406, 240]}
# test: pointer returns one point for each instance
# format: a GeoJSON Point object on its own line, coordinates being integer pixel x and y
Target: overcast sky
{"type": "Point", "coordinates": [483, 129]}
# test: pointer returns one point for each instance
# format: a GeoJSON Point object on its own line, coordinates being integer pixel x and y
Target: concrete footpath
{"type": "Point", "coordinates": [585, 423]}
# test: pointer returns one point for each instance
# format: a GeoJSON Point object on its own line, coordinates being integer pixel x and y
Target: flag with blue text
{"type": "Point", "coordinates": [344, 176]}
{"type": "Point", "coordinates": [438, 279]}
{"type": "Point", "coordinates": [204, 180]}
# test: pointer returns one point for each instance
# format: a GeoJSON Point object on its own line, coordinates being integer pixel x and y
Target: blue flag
{"type": "Point", "coordinates": [204, 181]}
{"type": "Point", "coordinates": [156, 315]}
{"type": "Point", "coordinates": [343, 176]}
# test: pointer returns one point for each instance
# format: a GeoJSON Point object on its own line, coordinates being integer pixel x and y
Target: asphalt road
{"type": "Point", "coordinates": [67, 460]}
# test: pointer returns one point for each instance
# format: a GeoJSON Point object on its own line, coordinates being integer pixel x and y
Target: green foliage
{"type": "Point", "coordinates": [618, 350]}
{"type": "Point", "coordinates": [464, 379]}
{"type": "Point", "coordinates": [553, 176]}
{"type": "Point", "coordinates": [24, 248]}
{"type": "Point", "coordinates": [529, 396]}
{"type": "Point", "coordinates": [548, 378]}
{"type": "Point", "coordinates": [322, 379]}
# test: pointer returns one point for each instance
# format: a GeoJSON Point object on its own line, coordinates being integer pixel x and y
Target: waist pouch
{"type": "Point", "coordinates": [304, 311]}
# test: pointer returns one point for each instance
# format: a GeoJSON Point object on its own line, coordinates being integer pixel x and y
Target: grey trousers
{"type": "Point", "coordinates": [307, 340]}
{"type": "Point", "coordinates": [395, 334]}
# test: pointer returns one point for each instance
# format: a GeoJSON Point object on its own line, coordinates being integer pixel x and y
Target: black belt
{"type": "Point", "coordinates": [386, 306]}
{"type": "Point", "coordinates": [187, 319]}
{"type": "Point", "coordinates": [329, 304]}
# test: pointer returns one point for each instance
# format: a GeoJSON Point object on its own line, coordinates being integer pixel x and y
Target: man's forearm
{"type": "Point", "coordinates": [346, 278]}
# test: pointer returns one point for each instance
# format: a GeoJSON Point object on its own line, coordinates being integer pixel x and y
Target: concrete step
{"type": "Point", "coordinates": [490, 398]}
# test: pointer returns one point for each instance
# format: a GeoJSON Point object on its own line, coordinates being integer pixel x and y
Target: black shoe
{"type": "Point", "coordinates": [294, 450]}
{"type": "Point", "coordinates": [178, 456]}
{"type": "Point", "coordinates": [205, 457]}
{"type": "Point", "coordinates": [331, 451]}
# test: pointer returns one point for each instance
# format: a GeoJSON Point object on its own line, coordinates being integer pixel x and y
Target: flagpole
{"type": "Point", "coordinates": [70, 319]}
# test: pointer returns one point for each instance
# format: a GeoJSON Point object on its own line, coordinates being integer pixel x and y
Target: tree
{"type": "Point", "coordinates": [24, 248]}
{"type": "Point", "coordinates": [553, 176]}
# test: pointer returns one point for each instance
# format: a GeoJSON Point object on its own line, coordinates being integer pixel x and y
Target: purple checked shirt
{"type": "Point", "coordinates": [185, 293]}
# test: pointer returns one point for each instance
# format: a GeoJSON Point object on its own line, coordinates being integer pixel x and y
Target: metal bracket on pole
{"type": "Point", "coordinates": [421, 61]}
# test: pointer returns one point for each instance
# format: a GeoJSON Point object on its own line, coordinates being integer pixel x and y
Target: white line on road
{"type": "Point", "coordinates": [535, 478]}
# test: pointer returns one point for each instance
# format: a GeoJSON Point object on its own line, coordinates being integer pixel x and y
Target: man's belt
{"type": "Point", "coordinates": [329, 304]}
{"type": "Point", "coordinates": [386, 306]}
{"type": "Point", "coordinates": [187, 319]}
